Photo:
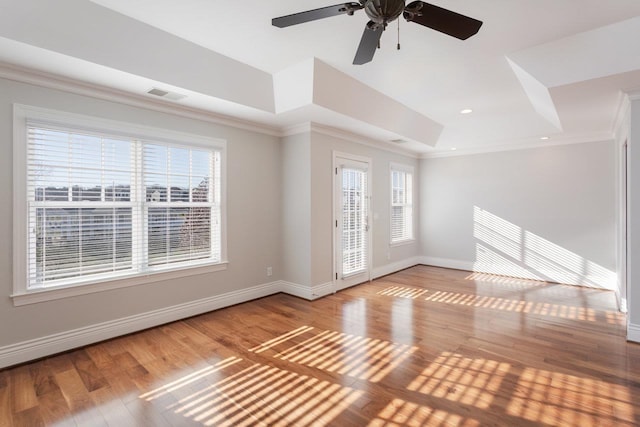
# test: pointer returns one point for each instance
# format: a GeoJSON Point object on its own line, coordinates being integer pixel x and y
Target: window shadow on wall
{"type": "Point", "coordinates": [507, 249]}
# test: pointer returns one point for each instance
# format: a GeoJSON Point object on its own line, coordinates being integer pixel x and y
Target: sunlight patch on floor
{"type": "Point", "coordinates": [529, 307]}
{"type": "Point", "coordinates": [563, 311]}
{"type": "Point", "coordinates": [280, 339]}
{"type": "Point", "coordinates": [560, 399]}
{"type": "Point", "coordinates": [360, 357]}
{"type": "Point", "coordinates": [400, 413]}
{"type": "Point", "coordinates": [265, 395]}
{"type": "Point", "coordinates": [505, 280]}
{"type": "Point", "coordinates": [402, 292]}
{"type": "Point", "coordinates": [346, 354]}
{"type": "Point", "coordinates": [188, 379]}
{"type": "Point", "coordinates": [461, 379]}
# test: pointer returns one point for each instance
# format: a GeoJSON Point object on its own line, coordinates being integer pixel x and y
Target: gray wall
{"type": "Point", "coordinates": [546, 213]}
{"type": "Point", "coordinates": [633, 220]}
{"type": "Point", "coordinates": [253, 212]}
{"type": "Point", "coordinates": [322, 148]}
{"type": "Point", "coordinates": [296, 209]}
{"type": "Point", "coordinates": [308, 202]}
{"type": "Point", "coordinates": [279, 214]}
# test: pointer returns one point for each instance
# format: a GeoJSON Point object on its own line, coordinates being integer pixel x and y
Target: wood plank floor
{"type": "Point", "coordinates": [425, 346]}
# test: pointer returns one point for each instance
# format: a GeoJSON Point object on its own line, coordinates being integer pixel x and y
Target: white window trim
{"type": "Point", "coordinates": [407, 169]}
{"type": "Point", "coordinates": [21, 113]}
{"type": "Point", "coordinates": [404, 242]}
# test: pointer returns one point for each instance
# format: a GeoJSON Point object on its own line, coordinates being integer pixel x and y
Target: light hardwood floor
{"type": "Point", "coordinates": [425, 346]}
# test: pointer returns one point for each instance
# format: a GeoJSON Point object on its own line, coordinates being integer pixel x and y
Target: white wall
{"type": "Point", "coordinates": [254, 227]}
{"type": "Point", "coordinates": [547, 213]}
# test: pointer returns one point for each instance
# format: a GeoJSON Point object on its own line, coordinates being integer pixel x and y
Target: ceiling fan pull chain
{"type": "Point", "coordinates": [398, 34]}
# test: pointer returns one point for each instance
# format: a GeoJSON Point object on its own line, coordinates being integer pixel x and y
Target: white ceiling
{"type": "Point", "coordinates": [536, 68]}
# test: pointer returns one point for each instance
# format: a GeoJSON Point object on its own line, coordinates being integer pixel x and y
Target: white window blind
{"type": "Point", "coordinates": [104, 205]}
{"type": "Point", "coordinates": [354, 221]}
{"type": "Point", "coordinates": [401, 205]}
{"type": "Point", "coordinates": [181, 216]}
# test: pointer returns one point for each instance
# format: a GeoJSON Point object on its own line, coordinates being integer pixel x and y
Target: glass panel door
{"type": "Point", "coordinates": [352, 246]}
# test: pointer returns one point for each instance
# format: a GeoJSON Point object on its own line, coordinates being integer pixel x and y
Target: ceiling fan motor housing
{"type": "Point", "coordinates": [383, 11]}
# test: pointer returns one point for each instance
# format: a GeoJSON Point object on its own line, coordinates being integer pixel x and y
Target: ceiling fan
{"type": "Point", "coordinates": [381, 12]}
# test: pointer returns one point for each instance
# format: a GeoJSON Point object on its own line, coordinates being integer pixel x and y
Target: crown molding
{"type": "Point", "coordinates": [296, 129]}
{"type": "Point", "coordinates": [347, 136]}
{"type": "Point", "coordinates": [634, 95]}
{"type": "Point", "coordinates": [57, 82]}
{"type": "Point", "coordinates": [622, 113]}
{"type": "Point", "coordinates": [578, 139]}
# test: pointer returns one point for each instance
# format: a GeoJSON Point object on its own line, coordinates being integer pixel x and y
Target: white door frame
{"type": "Point", "coordinates": [339, 283]}
{"type": "Point", "coordinates": [622, 227]}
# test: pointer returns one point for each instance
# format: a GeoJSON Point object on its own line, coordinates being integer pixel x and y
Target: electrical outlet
{"type": "Point", "coordinates": [269, 271]}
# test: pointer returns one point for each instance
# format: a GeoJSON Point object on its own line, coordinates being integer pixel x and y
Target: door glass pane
{"type": "Point", "coordinates": [354, 214]}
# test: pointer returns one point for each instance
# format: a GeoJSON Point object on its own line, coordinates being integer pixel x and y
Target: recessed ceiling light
{"type": "Point", "coordinates": [544, 138]}
{"type": "Point", "coordinates": [466, 111]}
{"type": "Point", "coordinates": [453, 148]}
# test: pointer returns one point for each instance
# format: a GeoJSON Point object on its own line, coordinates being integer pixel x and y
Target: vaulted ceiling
{"type": "Point", "coordinates": [537, 68]}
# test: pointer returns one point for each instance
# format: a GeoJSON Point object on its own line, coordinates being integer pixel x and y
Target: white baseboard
{"type": "Point", "coordinates": [601, 281]}
{"type": "Point", "coordinates": [395, 266]}
{"type": "Point", "coordinates": [40, 347]}
{"type": "Point", "coordinates": [447, 263]}
{"type": "Point", "coordinates": [307, 292]}
{"type": "Point", "coordinates": [324, 289]}
{"type": "Point", "coordinates": [623, 305]}
{"type": "Point", "coordinates": [296, 290]}
{"type": "Point", "coordinates": [633, 333]}
{"type": "Point", "coordinates": [56, 343]}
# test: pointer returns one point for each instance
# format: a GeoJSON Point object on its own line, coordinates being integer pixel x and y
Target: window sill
{"type": "Point", "coordinates": [59, 292]}
{"type": "Point", "coordinates": [402, 243]}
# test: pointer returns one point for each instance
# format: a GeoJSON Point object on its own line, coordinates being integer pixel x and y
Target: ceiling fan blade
{"type": "Point", "coordinates": [312, 15]}
{"type": "Point", "coordinates": [443, 20]}
{"type": "Point", "coordinates": [368, 44]}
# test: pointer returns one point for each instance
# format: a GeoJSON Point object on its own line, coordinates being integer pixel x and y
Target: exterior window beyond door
{"type": "Point", "coordinates": [401, 204]}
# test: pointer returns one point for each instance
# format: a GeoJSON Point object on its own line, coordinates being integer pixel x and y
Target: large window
{"type": "Point", "coordinates": [401, 203]}
{"type": "Point", "coordinates": [105, 204]}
